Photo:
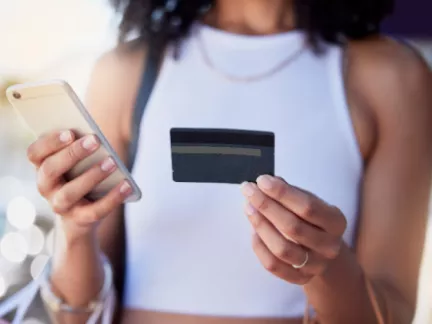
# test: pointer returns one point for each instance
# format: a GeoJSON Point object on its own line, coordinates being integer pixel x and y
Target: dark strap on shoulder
{"type": "Point", "coordinates": [148, 81]}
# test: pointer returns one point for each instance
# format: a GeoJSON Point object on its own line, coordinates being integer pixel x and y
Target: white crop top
{"type": "Point", "coordinates": [189, 244]}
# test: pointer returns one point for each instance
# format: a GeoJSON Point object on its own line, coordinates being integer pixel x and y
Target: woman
{"type": "Point", "coordinates": [341, 227]}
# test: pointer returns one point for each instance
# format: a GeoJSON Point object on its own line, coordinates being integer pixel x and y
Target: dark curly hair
{"type": "Point", "coordinates": [335, 21]}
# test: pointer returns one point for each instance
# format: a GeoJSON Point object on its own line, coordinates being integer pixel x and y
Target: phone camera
{"type": "Point", "coordinates": [16, 95]}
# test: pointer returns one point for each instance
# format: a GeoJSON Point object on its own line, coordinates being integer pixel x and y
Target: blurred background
{"type": "Point", "coordinates": [41, 39]}
{"type": "Point", "coordinates": [62, 39]}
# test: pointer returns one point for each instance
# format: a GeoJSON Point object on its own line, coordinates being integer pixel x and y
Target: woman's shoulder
{"type": "Point", "coordinates": [383, 64]}
{"type": "Point", "coordinates": [388, 58]}
{"type": "Point", "coordinates": [119, 69]}
{"type": "Point", "coordinates": [114, 84]}
{"type": "Point", "coordinates": [122, 57]}
{"type": "Point", "coordinates": [392, 78]}
{"type": "Point", "coordinates": [389, 86]}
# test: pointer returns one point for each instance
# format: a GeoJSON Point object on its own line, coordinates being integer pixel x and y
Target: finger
{"type": "Point", "coordinates": [303, 204]}
{"type": "Point", "coordinates": [48, 145]}
{"type": "Point", "coordinates": [103, 207]}
{"type": "Point", "coordinates": [276, 266]}
{"type": "Point", "coordinates": [279, 246]}
{"type": "Point", "coordinates": [78, 188]}
{"type": "Point", "coordinates": [285, 250]}
{"type": "Point", "coordinates": [291, 226]}
{"type": "Point", "coordinates": [55, 166]}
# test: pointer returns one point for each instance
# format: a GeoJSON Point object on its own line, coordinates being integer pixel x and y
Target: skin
{"type": "Point", "coordinates": [388, 89]}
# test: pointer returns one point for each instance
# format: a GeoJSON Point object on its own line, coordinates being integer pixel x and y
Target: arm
{"type": "Point", "coordinates": [115, 68]}
{"type": "Point", "coordinates": [77, 269]}
{"type": "Point", "coordinates": [397, 86]}
{"type": "Point", "coordinates": [298, 236]}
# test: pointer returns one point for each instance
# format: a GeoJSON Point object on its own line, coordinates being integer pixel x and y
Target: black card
{"type": "Point", "coordinates": [221, 155]}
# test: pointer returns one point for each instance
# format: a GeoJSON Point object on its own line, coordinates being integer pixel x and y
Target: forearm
{"type": "Point", "coordinates": [340, 295]}
{"type": "Point", "coordinates": [77, 274]}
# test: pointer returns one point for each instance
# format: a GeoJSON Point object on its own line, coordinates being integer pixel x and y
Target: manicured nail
{"type": "Point", "coordinates": [250, 210]}
{"type": "Point", "coordinates": [65, 137]}
{"type": "Point", "coordinates": [248, 189]}
{"type": "Point", "coordinates": [125, 188]}
{"type": "Point", "coordinates": [266, 182]}
{"type": "Point", "coordinates": [108, 165]}
{"type": "Point", "coordinates": [90, 143]}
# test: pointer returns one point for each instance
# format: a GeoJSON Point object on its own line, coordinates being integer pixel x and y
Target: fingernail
{"type": "Point", "coordinates": [265, 181]}
{"type": "Point", "coordinates": [65, 137]}
{"type": "Point", "coordinates": [250, 210]}
{"type": "Point", "coordinates": [90, 143]}
{"type": "Point", "coordinates": [248, 189]}
{"type": "Point", "coordinates": [125, 188]}
{"type": "Point", "coordinates": [108, 165]}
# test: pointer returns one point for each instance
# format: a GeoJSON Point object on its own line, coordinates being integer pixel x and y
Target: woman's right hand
{"type": "Point", "coordinates": [53, 155]}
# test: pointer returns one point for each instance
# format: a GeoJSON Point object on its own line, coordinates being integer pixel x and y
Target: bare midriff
{"type": "Point", "coordinates": [147, 317]}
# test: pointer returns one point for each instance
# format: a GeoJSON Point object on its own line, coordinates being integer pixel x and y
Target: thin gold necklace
{"type": "Point", "coordinates": [279, 67]}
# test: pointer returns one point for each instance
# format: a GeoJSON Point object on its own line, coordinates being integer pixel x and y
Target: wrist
{"type": "Point", "coordinates": [74, 245]}
{"type": "Point", "coordinates": [69, 235]}
{"type": "Point", "coordinates": [341, 281]}
{"type": "Point", "coordinates": [340, 263]}
{"type": "Point", "coordinates": [83, 248]}
{"type": "Point", "coordinates": [345, 263]}
{"type": "Point", "coordinates": [57, 304]}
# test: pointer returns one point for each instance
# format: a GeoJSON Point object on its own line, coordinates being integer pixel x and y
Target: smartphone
{"type": "Point", "coordinates": [53, 106]}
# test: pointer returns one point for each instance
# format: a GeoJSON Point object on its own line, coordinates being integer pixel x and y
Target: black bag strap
{"type": "Point", "coordinates": [148, 81]}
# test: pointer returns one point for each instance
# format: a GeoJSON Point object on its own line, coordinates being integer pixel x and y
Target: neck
{"type": "Point", "coordinates": [252, 17]}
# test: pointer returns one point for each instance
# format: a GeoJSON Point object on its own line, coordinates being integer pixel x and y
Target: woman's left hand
{"type": "Point", "coordinates": [297, 234]}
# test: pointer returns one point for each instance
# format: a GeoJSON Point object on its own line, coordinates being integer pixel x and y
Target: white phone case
{"type": "Point", "coordinates": [53, 106]}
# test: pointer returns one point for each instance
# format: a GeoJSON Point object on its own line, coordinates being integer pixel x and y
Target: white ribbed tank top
{"type": "Point", "coordinates": [189, 245]}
